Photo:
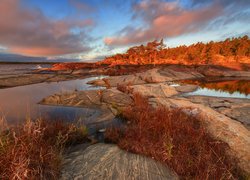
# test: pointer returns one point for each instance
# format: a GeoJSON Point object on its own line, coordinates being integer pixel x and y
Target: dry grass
{"type": "Point", "coordinates": [33, 150]}
{"type": "Point", "coordinates": [175, 138]}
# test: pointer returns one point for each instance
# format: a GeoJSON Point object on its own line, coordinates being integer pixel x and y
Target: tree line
{"type": "Point", "coordinates": [231, 50]}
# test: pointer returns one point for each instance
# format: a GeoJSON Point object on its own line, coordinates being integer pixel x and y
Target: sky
{"type": "Point", "coordinates": [89, 30]}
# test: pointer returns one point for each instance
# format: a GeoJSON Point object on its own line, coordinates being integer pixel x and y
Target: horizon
{"type": "Point", "coordinates": [80, 30]}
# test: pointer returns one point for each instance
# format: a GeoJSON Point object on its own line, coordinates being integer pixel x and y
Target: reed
{"type": "Point", "coordinates": [33, 150]}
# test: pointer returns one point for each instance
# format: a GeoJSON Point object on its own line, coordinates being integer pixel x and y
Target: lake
{"type": "Point", "coordinates": [220, 88]}
{"type": "Point", "coordinates": [18, 103]}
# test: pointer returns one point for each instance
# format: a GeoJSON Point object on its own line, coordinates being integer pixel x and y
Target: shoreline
{"type": "Point", "coordinates": [154, 84]}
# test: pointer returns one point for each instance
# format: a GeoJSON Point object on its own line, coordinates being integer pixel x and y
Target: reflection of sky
{"type": "Point", "coordinates": [16, 103]}
{"type": "Point", "coordinates": [217, 93]}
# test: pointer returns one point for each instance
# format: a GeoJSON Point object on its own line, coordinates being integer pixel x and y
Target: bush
{"type": "Point", "coordinates": [175, 138]}
{"type": "Point", "coordinates": [33, 150]}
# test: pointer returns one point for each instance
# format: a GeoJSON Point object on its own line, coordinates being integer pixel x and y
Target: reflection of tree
{"type": "Point", "coordinates": [234, 50]}
{"type": "Point", "coordinates": [241, 86]}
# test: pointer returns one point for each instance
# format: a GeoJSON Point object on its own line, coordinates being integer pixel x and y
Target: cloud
{"type": "Point", "coordinates": [170, 19]}
{"type": "Point", "coordinates": [30, 32]}
{"type": "Point", "coordinates": [80, 6]}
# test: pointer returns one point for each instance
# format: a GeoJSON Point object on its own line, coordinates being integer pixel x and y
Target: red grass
{"type": "Point", "coordinates": [33, 150]}
{"type": "Point", "coordinates": [173, 137]}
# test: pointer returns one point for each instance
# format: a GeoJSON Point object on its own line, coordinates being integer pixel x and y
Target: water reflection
{"type": "Point", "coordinates": [221, 88]}
{"type": "Point", "coordinates": [230, 86]}
{"type": "Point", "coordinates": [19, 102]}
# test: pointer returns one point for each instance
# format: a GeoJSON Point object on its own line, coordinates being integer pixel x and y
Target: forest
{"type": "Point", "coordinates": [231, 51]}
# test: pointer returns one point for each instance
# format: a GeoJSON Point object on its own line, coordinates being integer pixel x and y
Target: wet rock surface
{"type": "Point", "coordinates": [106, 161]}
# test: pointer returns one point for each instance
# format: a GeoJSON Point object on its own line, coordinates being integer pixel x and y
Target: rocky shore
{"type": "Point", "coordinates": [226, 119]}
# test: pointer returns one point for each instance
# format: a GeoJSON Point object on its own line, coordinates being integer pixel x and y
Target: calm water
{"type": "Point", "coordinates": [10, 69]}
{"type": "Point", "coordinates": [19, 102]}
{"type": "Point", "coordinates": [225, 88]}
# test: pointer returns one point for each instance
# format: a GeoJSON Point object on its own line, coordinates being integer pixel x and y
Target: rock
{"type": "Point", "coordinates": [221, 72]}
{"type": "Point", "coordinates": [154, 90]}
{"type": "Point", "coordinates": [113, 81]}
{"type": "Point", "coordinates": [235, 108]}
{"type": "Point", "coordinates": [220, 105]}
{"type": "Point", "coordinates": [97, 82]}
{"type": "Point", "coordinates": [241, 114]}
{"type": "Point", "coordinates": [153, 76]}
{"type": "Point", "coordinates": [186, 88]}
{"type": "Point", "coordinates": [106, 161]}
{"type": "Point", "coordinates": [86, 99]}
{"type": "Point", "coordinates": [26, 79]}
{"type": "Point", "coordinates": [116, 98]}
{"type": "Point", "coordinates": [109, 101]}
{"type": "Point", "coordinates": [179, 74]}
{"type": "Point", "coordinates": [91, 98]}
{"type": "Point", "coordinates": [220, 127]}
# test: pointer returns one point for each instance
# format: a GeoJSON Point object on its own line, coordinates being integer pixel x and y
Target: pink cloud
{"type": "Point", "coordinates": [165, 19]}
{"type": "Point", "coordinates": [29, 32]}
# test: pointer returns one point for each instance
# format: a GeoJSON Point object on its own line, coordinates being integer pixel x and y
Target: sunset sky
{"type": "Point", "coordinates": [93, 29]}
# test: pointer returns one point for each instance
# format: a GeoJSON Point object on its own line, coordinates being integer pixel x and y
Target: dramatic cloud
{"type": "Point", "coordinates": [29, 32]}
{"type": "Point", "coordinates": [170, 19]}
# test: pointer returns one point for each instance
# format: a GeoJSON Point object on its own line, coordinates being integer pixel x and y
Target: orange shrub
{"type": "Point", "coordinates": [175, 138]}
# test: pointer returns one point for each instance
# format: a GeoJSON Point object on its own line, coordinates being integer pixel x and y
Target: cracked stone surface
{"type": "Point", "coordinates": [106, 161]}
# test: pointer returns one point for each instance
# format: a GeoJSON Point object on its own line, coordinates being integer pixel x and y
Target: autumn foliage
{"type": "Point", "coordinates": [234, 51]}
{"type": "Point", "coordinates": [175, 138]}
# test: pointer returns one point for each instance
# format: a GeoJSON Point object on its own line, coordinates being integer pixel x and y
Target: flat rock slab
{"type": "Point", "coordinates": [116, 98]}
{"type": "Point", "coordinates": [178, 75]}
{"type": "Point", "coordinates": [235, 108]}
{"type": "Point", "coordinates": [24, 79]}
{"type": "Point", "coordinates": [154, 75]}
{"type": "Point", "coordinates": [91, 98]}
{"type": "Point", "coordinates": [186, 88]}
{"type": "Point", "coordinates": [155, 90]}
{"type": "Point", "coordinates": [106, 161]}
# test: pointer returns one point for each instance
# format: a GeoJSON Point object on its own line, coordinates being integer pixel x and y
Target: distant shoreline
{"type": "Point", "coordinates": [6, 62]}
